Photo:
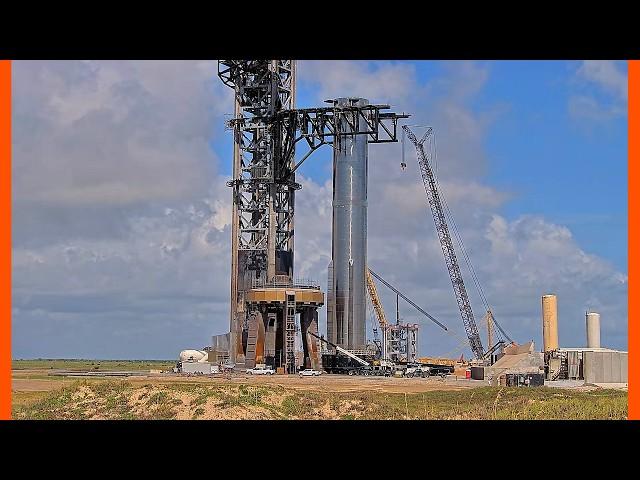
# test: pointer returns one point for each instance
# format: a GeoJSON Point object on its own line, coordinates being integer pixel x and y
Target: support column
{"type": "Point", "coordinates": [271, 238]}
{"type": "Point", "coordinates": [270, 338]}
{"type": "Point", "coordinates": [310, 347]}
{"type": "Point", "coordinates": [234, 339]}
{"type": "Point", "coordinates": [255, 318]}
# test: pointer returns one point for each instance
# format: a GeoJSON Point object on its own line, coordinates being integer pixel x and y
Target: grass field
{"type": "Point", "coordinates": [85, 365]}
{"type": "Point", "coordinates": [108, 399]}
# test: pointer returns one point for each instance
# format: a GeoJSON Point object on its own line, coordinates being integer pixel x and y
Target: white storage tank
{"type": "Point", "coordinates": [593, 330]}
{"type": "Point", "coordinates": [193, 356]}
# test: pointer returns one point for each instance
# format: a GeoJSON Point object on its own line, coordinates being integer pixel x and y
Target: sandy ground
{"type": "Point", "coordinates": [580, 385]}
{"type": "Point", "coordinates": [151, 396]}
{"type": "Point", "coordinates": [333, 383]}
{"type": "Point", "coordinates": [36, 385]}
{"type": "Point", "coordinates": [36, 381]}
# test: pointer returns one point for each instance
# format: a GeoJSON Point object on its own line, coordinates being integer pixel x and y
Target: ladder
{"type": "Point", "coordinates": [290, 333]}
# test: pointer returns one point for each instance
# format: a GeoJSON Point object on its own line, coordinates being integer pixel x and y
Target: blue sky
{"type": "Point", "coordinates": [121, 215]}
{"type": "Point", "coordinates": [572, 171]}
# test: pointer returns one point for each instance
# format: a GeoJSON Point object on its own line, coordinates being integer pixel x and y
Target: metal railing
{"type": "Point", "coordinates": [280, 283]}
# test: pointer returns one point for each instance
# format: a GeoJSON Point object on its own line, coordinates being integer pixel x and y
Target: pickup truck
{"type": "Point", "coordinates": [260, 371]}
{"type": "Point", "coordinates": [309, 372]}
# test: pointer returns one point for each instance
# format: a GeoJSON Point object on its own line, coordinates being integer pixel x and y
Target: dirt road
{"type": "Point", "coordinates": [35, 380]}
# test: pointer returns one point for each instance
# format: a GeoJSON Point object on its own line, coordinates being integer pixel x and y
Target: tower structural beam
{"type": "Point", "coordinates": [263, 207]}
{"type": "Point", "coordinates": [267, 129]}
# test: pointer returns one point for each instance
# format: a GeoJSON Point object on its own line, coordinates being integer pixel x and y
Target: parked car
{"type": "Point", "coordinates": [309, 372]}
{"type": "Point", "coordinates": [419, 371]}
{"type": "Point", "coordinates": [260, 371]}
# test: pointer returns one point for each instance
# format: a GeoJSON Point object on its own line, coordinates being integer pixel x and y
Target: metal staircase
{"type": "Point", "coordinates": [290, 333]}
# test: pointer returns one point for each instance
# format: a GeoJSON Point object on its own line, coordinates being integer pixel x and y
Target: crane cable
{"type": "Point", "coordinates": [450, 332]}
{"type": "Point", "coordinates": [474, 276]}
{"type": "Point", "coordinates": [456, 232]}
{"type": "Point", "coordinates": [467, 259]}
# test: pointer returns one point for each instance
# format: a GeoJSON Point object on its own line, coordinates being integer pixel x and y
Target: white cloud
{"type": "Point", "coordinates": [378, 82]}
{"type": "Point", "coordinates": [584, 107]}
{"type": "Point", "coordinates": [122, 240]}
{"type": "Point", "coordinates": [607, 75]}
{"type": "Point", "coordinates": [114, 133]}
{"type": "Point", "coordinates": [517, 261]}
{"type": "Point", "coordinates": [173, 265]}
{"type": "Point", "coordinates": [601, 91]}
{"type": "Point", "coordinates": [120, 215]}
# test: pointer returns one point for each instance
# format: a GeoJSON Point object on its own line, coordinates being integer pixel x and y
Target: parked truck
{"type": "Point", "coordinates": [260, 370]}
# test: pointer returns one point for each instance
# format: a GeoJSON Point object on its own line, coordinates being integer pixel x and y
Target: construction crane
{"type": "Point", "coordinates": [405, 298]}
{"type": "Point", "coordinates": [488, 353]}
{"type": "Point", "coordinates": [382, 318]}
{"type": "Point", "coordinates": [375, 300]}
{"type": "Point", "coordinates": [433, 196]}
{"type": "Point", "coordinates": [399, 339]}
{"type": "Point", "coordinates": [489, 319]}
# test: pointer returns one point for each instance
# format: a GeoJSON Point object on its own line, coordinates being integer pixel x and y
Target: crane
{"type": "Point", "coordinates": [405, 298]}
{"type": "Point", "coordinates": [382, 318]}
{"type": "Point", "coordinates": [433, 196]}
{"type": "Point", "coordinates": [375, 300]}
{"type": "Point", "coordinates": [341, 350]}
{"type": "Point", "coordinates": [398, 335]}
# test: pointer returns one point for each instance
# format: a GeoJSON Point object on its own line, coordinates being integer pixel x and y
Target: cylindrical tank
{"type": "Point", "coordinates": [346, 315]}
{"type": "Point", "coordinates": [193, 356]}
{"type": "Point", "coordinates": [593, 330]}
{"type": "Point", "coordinates": [549, 322]}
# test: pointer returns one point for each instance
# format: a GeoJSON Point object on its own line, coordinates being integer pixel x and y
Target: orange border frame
{"type": "Point", "coordinates": [633, 226]}
{"type": "Point", "coordinates": [634, 238]}
{"type": "Point", "coordinates": [5, 239]}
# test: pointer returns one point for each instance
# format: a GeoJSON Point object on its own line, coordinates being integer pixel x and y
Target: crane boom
{"type": "Point", "coordinates": [382, 318]}
{"type": "Point", "coordinates": [341, 350]}
{"type": "Point", "coordinates": [408, 300]}
{"type": "Point", "coordinates": [442, 229]}
{"type": "Point", "coordinates": [375, 300]}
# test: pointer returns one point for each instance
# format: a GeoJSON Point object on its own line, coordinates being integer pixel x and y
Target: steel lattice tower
{"type": "Point", "coordinates": [267, 126]}
{"type": "Point", "coordinates": [263, 186]}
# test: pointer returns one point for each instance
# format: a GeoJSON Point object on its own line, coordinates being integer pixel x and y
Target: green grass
{"type": "Point", "coordinates": [116, 399]}
{"type": "Point", "coordinates": [88, 365]}
{"type": "Point", "coordinates": [501, 403]}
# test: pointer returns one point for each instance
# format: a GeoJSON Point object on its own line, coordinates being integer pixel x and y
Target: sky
{"type": "Point", "coordinates": [121, 215]}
